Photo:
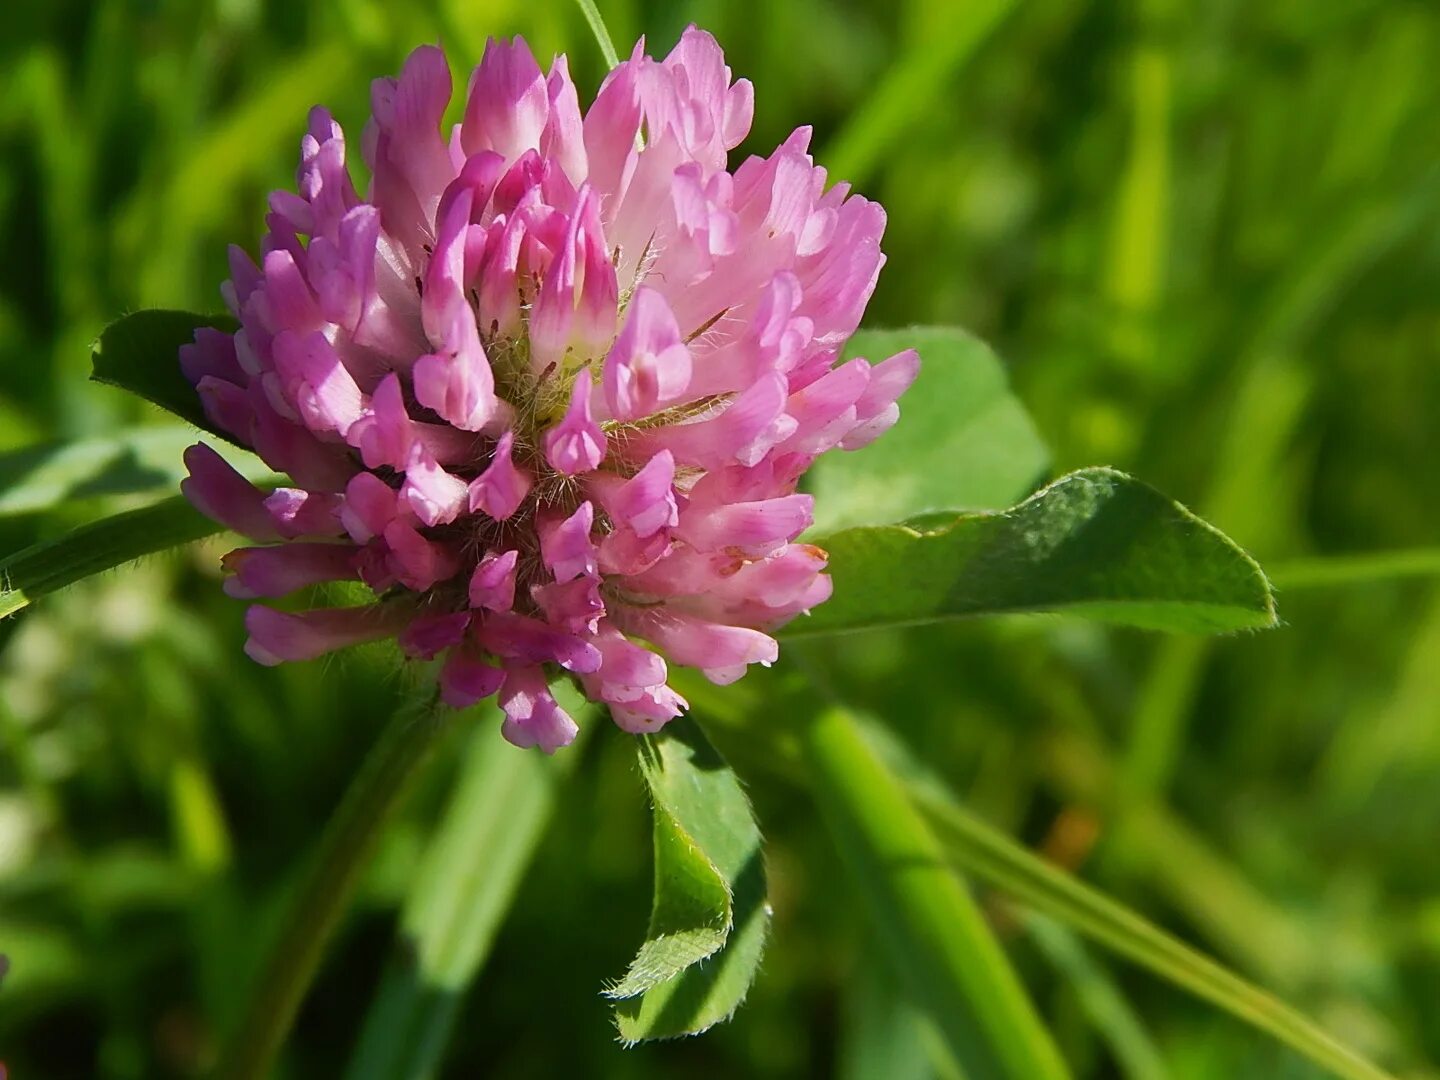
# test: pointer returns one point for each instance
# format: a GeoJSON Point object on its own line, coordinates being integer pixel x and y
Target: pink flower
{"type": "Point", "coordinates": [546, 389]}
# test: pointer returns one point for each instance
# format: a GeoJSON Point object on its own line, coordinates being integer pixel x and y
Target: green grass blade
{"type": "Point", "coordinates": [597, 27]}
{"type": "Point", "coordinates": [96, 547]}
{"type": "Point", "coordinates": [1108, 1011]}
{"type": "Point", "coordinates": [463, 887]}
{"type": "Point", "coordinates": [910, 88]}
{"type": "Point", "coordinates": [976, 848]}
{"type": "Point", "coordinates": [341, 857]}
{"type": "Point", "coordinates": [883, 1034]}
{"type": "Point", "coordinates": [1334, 571]}
{"type": "Point", "coordinates": [934, 933]}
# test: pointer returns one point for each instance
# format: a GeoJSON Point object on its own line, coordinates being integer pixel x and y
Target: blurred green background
{"type": "Point", "coordinates": [1203, 236]}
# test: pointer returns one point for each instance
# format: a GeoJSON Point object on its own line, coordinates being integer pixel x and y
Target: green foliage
{"type": "Point", "coordinates": [1202, 238]}
{"type": "Point", "coordinates": [966, 443]}
{"type": "Point", "coordinates": [139, 353]}
{"type": "Point", "coordinates": [935, 937]}
{"type": "Point", "coordinates": [710, 913]}
{"type": "Point", "coordinates": [974, 847]}
{"type": "Point", "coordinates": [1095, 543]}
{"type": "Point", "coordinates": [1100, 999]}
{"type": "Point", "coordinates": [339, 862]}
{"type": "Point", "coordinates": [460, 891]}
{"type": "Point", "coordinates": [91, 549]}
{"type": "Point", "coordinates": [141, 461]}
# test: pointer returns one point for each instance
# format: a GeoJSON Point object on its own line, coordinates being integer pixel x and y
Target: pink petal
{"type": "Point", "coordinates": [645, 503]}
{"type": "Point", "coordinates": [280, 570]}
{"type": "Point", "coordinates": [369, 506]}
{"type": "Point", "coordinates": [418, 563]}
{"type": "Point", "coordinates": [876, 409]}
{"type": "Point", "coordinates": [611, 124]}
{"type": "Point", "coordinates": [300, 513]}
{"type": "Point", "coordinates": [466, 679]}
{"type": "Point", "coordinates": [721, 652]}
{"type": "Point", "coordinates": [649, 366]}
{"type": "Point", "coordinates": [291, 448]}
{"type": "Point", "coordinates": [565, 544]}
{"type": "Point", "coordinates": [493, 583]}
{"type": "Point", "coordinates": [385, 434]}
{"type": "Point", "coordinates": [744, 431]}
{"type": "Point", "coordinates": [435, 496]}
{"type": "Point", "coordinates": [212, 353]}
{"type": "Point", "coordinates": [244, 277]}
{"type": "Point", "coordinates": [532, 717]}
{"type": "Point", "coordinates": [222, 494]}
{"type": "Point", "coordinates": [648, 712]}
{"type": "Point", "coordinates": [574, 605]}
{"type": "Point", "coordinates": [530, 641]}
{"type": "Point", "coordinates": [825, 409]}
{"type": "Point", "coordinates": [322, 390]}
{"type": "Point", "coordinates": [502, 487]}
{"type": "Point", "coordinates": [563, 140]}
{"type": "Point", "coordinates": [576, 444]}
{"type": "Point", "coordinates": [457, 381]}
{"type": "Point", "coordinates": [278, 636]}
{"type": "Point", "coordinates": [429, 635]}
{"type": "Point", "coordinates": [288, 299]}
{"type": "Point", "coordinates": [410, 161]}
{"type": "Point", "coordinates": [756, 528]}
{"type": "Point", "coordinates": [508, 102]}
{"type": "Point", "coordinates": [623, 552]}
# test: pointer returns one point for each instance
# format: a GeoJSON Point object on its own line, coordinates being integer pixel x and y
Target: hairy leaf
{"type": "Point", "coordinates": [710, 915]}
{"type": "Point", "coordinates": [1095, 543]}
{"type": "Point", "coordinates": [140, 353]}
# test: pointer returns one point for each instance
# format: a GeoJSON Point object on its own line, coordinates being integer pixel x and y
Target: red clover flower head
{"type": "Point", "coordinates": [548, 388]}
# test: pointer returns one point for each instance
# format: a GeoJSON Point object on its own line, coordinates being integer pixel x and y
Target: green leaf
{"type": "Point", "coordinates": [140, 353]}
{"type": "Point", "coordinates": [138, 461]}
{"type": "Point", "coordinates": [710, 915]}
{"type": "Point", "coordinates": [975, 847]}
{"type": "Point", "coordinates": [963, 442]}
{"type": "Point", "coordinates": [1095, 543]}
{"type": "Point", "coordinates": [690, 917]}
{"type": "Point", "coordinates": [462, 889]}
{"type": "Point", "coordinates": [936, 938]}
{"type": "Point", "coordinates": [101, 545]}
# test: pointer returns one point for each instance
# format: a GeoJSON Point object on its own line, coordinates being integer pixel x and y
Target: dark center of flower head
{"type": "Point", "coordinates": [545, 391]}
